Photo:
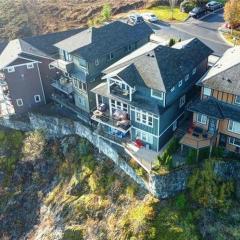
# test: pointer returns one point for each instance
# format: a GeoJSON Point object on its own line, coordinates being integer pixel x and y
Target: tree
{"type": "Point", "coordinates": [232, 13]}
{"type": "Point", "coordinates": [106, 12]}
{"type": "Point", "coordinates": [172, 4]}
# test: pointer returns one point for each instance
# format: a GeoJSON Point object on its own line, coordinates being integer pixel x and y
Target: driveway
{"type": "Point", "coordinates": [205, 29]}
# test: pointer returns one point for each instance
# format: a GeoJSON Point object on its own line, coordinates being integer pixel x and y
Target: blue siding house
{"type": "Point", "coordinates": [84, 56]}
{"type": "Point", "coordinates": [144, 94]}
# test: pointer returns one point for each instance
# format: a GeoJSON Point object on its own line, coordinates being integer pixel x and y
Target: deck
{"type": "Point", "coordinates": [66, 87]}
{"type": "Point", "coordinates": [196, 142]}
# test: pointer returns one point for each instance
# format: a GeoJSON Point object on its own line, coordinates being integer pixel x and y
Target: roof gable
{"type": "Point", "coordinates": [224, 75]}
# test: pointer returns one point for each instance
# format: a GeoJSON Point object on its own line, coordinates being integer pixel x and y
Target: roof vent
{"type": "Point", "coordinates": [148, 55]}
{"type": "Point", "coordinates": [229, 80]}
{"type": "Point", "coordinates": [152, 56]}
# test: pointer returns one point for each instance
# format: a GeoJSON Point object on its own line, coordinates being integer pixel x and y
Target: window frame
{"type": "Point", "coordinates": [157, 97]}
{"type": "Point", "coordinates": [148, 137]}
{"type": "Point", "coordinates": [208, 94]}
{"type": "Point", "coordinates": [231, 141]}
{"type": "Point", "coordinates": [17, 101]}
{"type": "Point", "coordinates": [186, 77]}
{"type": "Point", "coordinates": [144, 118]}
{"type": "Point", "coordinates": [237, 100]}
{"type": "Point", "coordinates": [30, 65]}
{"type": "Point", "coordinates": [232, 128]}
{"type": "Point", "coordinates": [11, 69]}
{"type": "Point", "coordinates": [180, 83]}
{"type": "Point", "coordinates": [96, 62]}
{"type": "Point", "coordinates": [35, 98]}
{"type": "Point", "coordinates": [182, 101]}
{"type": "Point", "coordinates": [201, 120]}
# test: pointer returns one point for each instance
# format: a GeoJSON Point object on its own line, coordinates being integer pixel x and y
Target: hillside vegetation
{"type": "Point", "coordinates": [64, 189]}
{"type": "Point", "coordinates": [29, 17]}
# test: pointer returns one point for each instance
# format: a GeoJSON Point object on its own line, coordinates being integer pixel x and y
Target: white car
{"type": "Point", "coordinates": [150, 17]}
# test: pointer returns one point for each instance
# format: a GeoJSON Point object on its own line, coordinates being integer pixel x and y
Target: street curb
{"type": "Point", "coordinates": [224, 39]}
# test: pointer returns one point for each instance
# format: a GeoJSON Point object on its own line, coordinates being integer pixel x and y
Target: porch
{"type": "Point", "coordinates": [64, 66]}
{"type": "Point", "coordinates": [118, 120]}
{"type": "Point", "coordinates": [63, 85]}
{"type": "Point", "coordinates": [116, 90]}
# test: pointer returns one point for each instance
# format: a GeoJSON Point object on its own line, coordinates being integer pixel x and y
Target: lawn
{"type": "Point", "coordinates": [164, 13]}
{"type": "Point", "coordinates": [230, 38]}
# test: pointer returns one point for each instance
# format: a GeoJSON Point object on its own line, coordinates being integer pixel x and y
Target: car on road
{"type": "Point", "coordinates": [214, 5]}
{"type": "Point", "coordinates": [198, 12]}
{"type": "Point", "coordinates": [150, 17]}
{"type": "Point", "coordinates": [135, 19]}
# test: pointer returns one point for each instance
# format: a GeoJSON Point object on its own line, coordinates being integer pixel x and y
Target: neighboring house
{"type": "Point", "coordinates": [216, 115]}
{"type": "Point", "coordinates": [144, 95]}
{"type": "Point", "coordinates": [24, 72]}
{"type": "Point", "coordinates": [84, 56]}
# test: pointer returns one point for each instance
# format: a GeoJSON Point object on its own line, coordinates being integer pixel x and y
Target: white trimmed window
{"type": "Point", "coordinates": [37, 98]}
{"type": "Point", "coordinates": [182, 101]}
{"type": "Point", "coordinates": [144, 136]}
{"type": "Point", "coordinates": [118, 105]}
{"type": "Point", "coordinates": [157, 94]}
{"type": "Point", "coordinates": [144, 118]}
{"type": "Point", "coordinates": [172, 90]}
{"type": "Point", "coordinates": [187, 77]}
{"type": "Point", "coordinates": [194, 71]}
{"type": "Point", "coordinates": [11, 69]}
{"type": "Point", "coordinates": [30, 65]}
{"type": "Point", "coordinates": [234, 126]}
{"type": "Point", "coordinates": [234, 141]}
{"type": "Point", "coordinates": [207, 91]}
{"type": "Point", "coordinates": [97, 62]}
{"type": "Point", "coordinates": [180, 83]}
{"type": "Point", "coordinates": [237, 100]}
{"type": "Point", "coordinates": [201, 118]}
{"type": "Point", "coordinates": [51, 66]}
{"type": "Point", "coordinates": [79, 85]}
{"type": "Point", "coordinates": [19, 102]}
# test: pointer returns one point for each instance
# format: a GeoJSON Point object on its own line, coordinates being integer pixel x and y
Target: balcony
{"type": "Point", "coordinates": [69, 104]}
{"type": "Point", "coordinates": [63, 85]}
{"type": "Point", "coordinates": [118, 91]}
{"type": "Point", "coordinates": [64, 66]}
{"type": "Point", "coordinates": [118, 121]}
{"type": "Point", "coordinates": [197, 138]}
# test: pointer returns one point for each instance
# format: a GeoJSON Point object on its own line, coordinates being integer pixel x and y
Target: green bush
{"type": "Point", "coordinates": [172, 41]}
{"type": "Point", "coordinates": [173, 146]}
{"type": "Point", "coordinates": [187, 6]}
{"type": "Point", "coordinates": [181, 201]}
{"type": "Point", "coordinates": [73, 233]}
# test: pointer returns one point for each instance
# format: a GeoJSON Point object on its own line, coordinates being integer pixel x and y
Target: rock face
{"type": "Point", "coordinates": [169, 185]}
{"type": "Point", "coordinates": [160, 186]}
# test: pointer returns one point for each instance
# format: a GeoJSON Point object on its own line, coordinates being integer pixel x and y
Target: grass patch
{"type": "Point", "coordinates": [230, 37]}
{"type": "Point", "coordinates": [164, 13]}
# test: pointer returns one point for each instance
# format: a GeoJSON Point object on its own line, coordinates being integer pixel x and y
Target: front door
{"type": "Point", "coordinates": [212, 125]}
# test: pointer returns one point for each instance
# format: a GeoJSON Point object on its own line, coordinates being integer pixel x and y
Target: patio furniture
{"type": "Point", "coordinates": [198, 130]}
{"type": "Point", "coordinates": [195, 134]}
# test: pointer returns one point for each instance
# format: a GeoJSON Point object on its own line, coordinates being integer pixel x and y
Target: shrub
{"type": "Point", "coordinates": [181, 201]}
{"type": "Point", "coordinates": [173, 146]}
{"type": "Point", "coordinates": [187, 6]}
{"type": "Point", "coordinates": [33, 145]}
{"type": "Point", "coordinates": [172, 41]}
{"type": "Point", "coordinates": [106, 12]}
{"type": "Point", "coordinates": [73, 233]}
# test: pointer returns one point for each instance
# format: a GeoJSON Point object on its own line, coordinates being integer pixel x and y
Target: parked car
{"type": "Point", "coordinates": [135, 19]}
{"type": "Point", "coordinates": [150, 17]}
{"type": "Point", "coordinates": [213, 5]}
{"type": "Point", "coordinates": [198, 12]}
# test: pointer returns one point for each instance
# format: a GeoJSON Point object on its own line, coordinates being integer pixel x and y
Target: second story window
{"type": "Point", "coordinates": [237, 100]}
{"type": "Point", "coordinates": [144, 118]}
{"type": "Point", "coordinates": [207, 91]}
{"type": "Point", "coordinates": [182, 101]}
{"type": "Point", "coordinates": [30, 65]}
{"type": "Point", "coordinates": [110, 56]}
{"type": "Point", "coordinates": [157, 94]}
{"type": "Point", "coordinates": [180, 83]}
{"type": "Point", "coordinates": [187, 77]}
{"type": "Point", "coordinates": [234, 126]}
{"type": "Point", "coordinates": [37, 98]}
{"type": "Point", "coordinates": [11, 69]}
{"type": "Point", "coordinates": [201, 118]}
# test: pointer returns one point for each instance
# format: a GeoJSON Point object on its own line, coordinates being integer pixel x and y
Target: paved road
{"type": "Point", "coordinates": [206, 30]}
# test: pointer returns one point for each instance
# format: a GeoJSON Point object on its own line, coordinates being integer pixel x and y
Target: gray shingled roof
{"type": "Point", "coordinates": [225, 74]}
{"type": "Point", "coordinates": [162, 67]}
{"type": "Point", "coordinates": [2, 46]}
{"type": "Point", "coordinates": [14, 49]}
{"type": "Point", "coordinates": [46, 42]}
{"type": "Point", "coordinates": [216, 109]}
{"type": "Point", "coordinates": [94, 41]}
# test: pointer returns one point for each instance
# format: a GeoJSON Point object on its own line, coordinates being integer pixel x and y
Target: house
{"type": "Point", "coordinates": [24, 72]}
{"type": "Point", "coordinates": [84, 56]}
{"type": "Point", "coordinates": [144, 94]}
{"type": "Point", "coordinates": [216, 114]}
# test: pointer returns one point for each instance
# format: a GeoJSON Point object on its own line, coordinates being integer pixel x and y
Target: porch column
{"type": "Point", "coordinates": [97, 103]}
